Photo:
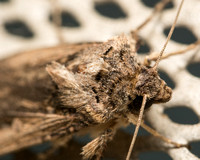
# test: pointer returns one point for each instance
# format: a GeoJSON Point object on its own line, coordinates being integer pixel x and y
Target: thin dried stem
{"type": "Point", "coordinates": [169, 36]}
{"type": "Point", "coordinates": [137, 127]}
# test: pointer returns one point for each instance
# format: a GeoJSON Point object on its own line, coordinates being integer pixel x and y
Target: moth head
{"type": "Point", "coordinates": [150, 87]}
{"type": "Point", "coordinates": [149, 83]}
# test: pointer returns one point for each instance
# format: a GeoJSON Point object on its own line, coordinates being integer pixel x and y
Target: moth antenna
{"type": "Point", "coordinates": [137, 127]}
{"type": "Point", "coordinates": [168, 37]}
{"type": "Point", "coordinates": [159, 7]}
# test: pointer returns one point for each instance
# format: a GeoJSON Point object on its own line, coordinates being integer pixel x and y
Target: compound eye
{"type": "Point", "coordinates": [136, 104]}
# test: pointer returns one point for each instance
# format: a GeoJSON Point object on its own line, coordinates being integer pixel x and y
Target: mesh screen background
{"type": "Point", "coordinates": [26, 25]}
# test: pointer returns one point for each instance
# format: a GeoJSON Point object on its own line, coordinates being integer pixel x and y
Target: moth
{"type": "Point", "coordinates": [53, 93]}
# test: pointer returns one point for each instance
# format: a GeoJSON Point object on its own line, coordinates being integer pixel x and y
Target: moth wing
{"type": "Point", "coordinates": [24, 97]}
{"type": "Point", "coordinates": [39, 128]}
{"type": "Point", "coordinates": [43, 56]}
{"type": "Point", "coordinates": [72, 94]}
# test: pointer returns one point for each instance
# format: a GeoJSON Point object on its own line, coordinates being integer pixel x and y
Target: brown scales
{"type": "Point", "coordinates": [107, 85]}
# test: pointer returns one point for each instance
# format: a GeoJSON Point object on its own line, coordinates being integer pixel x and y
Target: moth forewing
{"type": "Point", "coordinates": [34, 98]}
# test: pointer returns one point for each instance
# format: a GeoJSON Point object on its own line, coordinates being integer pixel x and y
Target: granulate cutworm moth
{"type": "Point", "coordinates": [57, 92]}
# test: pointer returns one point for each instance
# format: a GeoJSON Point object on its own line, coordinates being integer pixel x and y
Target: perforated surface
{"type": "Point", "coordinates": [90, 24]}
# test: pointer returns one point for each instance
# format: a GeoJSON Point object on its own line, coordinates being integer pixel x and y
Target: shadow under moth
{"type": "Point", "coordinates": [52, 93]}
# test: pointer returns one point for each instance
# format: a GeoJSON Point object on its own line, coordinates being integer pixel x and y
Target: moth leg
{"type": "Point", "coordinates": [71, 93]}
{"type": "Point", "coordinates": [94, 149]}
{"type": "Point", "coordinates": [138, 123]}
{"type": "Point", "coordinates": [165, 139]}
{"type": "Point", "coordinates": [156, 134]}
{"type": "Point", "coordinates": [154, 56]}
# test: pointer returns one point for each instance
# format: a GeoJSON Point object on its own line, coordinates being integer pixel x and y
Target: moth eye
{"type": "Point", "coordinates": [110, 10]}
{"type": "Point", "coordinates": [154, 155]}
{"type": "Point", "coordinates": [18, 28]}
{"type": "Point", "coordinates": [181, 34]}
{"type": "Point", "coordinates": [67, 20]}
{"type": "Point", "coordinates": [167, 79]}
{"type": "Point", "coordinates": [182, 115]}
{"type": "Point", "coordinates": [195, 148]}
{"type": "Point", "coordinates": [194, 69]}
{"type": "Point", "coordinates": [152, 4]}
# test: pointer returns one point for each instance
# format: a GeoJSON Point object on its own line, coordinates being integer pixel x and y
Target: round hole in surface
{"type": "Point", "coordinates": [67, 20]}
{"type": "Point", "coordinates": [195, 148]}
{"type": "Point", "coordinates": [181, 34]}
{"type": "Point", "coordinates": [194, 69]}
{"type": "Point", "coordinates": [18, 28]}
{"type": "Point", "coordinates": [131, 129]}
{"type": "Point", "coordinates": [110, 10]}
{"type": "Point", "coordinates": [167, 79]}
{"type": "Point", "coordinates": [152, 3]}
{"type": "Point", "coordinates": [41, 147]}
{"type": "Point", "coordinates": [4, 1]}
{"type": "Point", "coordinates": [83, 139]}
{"type": "Point", "coordinates": [7, 157]}
{"type": "Point", "coordinates": [143, 47]}
{"type": "Point", "coordinates": [182, 115]}
{"type": "Point", "coordinates": [154, 155]}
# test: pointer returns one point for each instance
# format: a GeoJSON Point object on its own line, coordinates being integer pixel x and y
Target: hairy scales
{"type": "Point", "coordinates": [90, 85]}
{"type": "Point", "coordinates": [111, 78]}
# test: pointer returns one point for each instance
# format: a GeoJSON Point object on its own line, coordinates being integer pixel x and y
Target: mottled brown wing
{"type": "Point", "coordinates": [28, 115]}
{"type": "Point", "coordinates": [24, 82]}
